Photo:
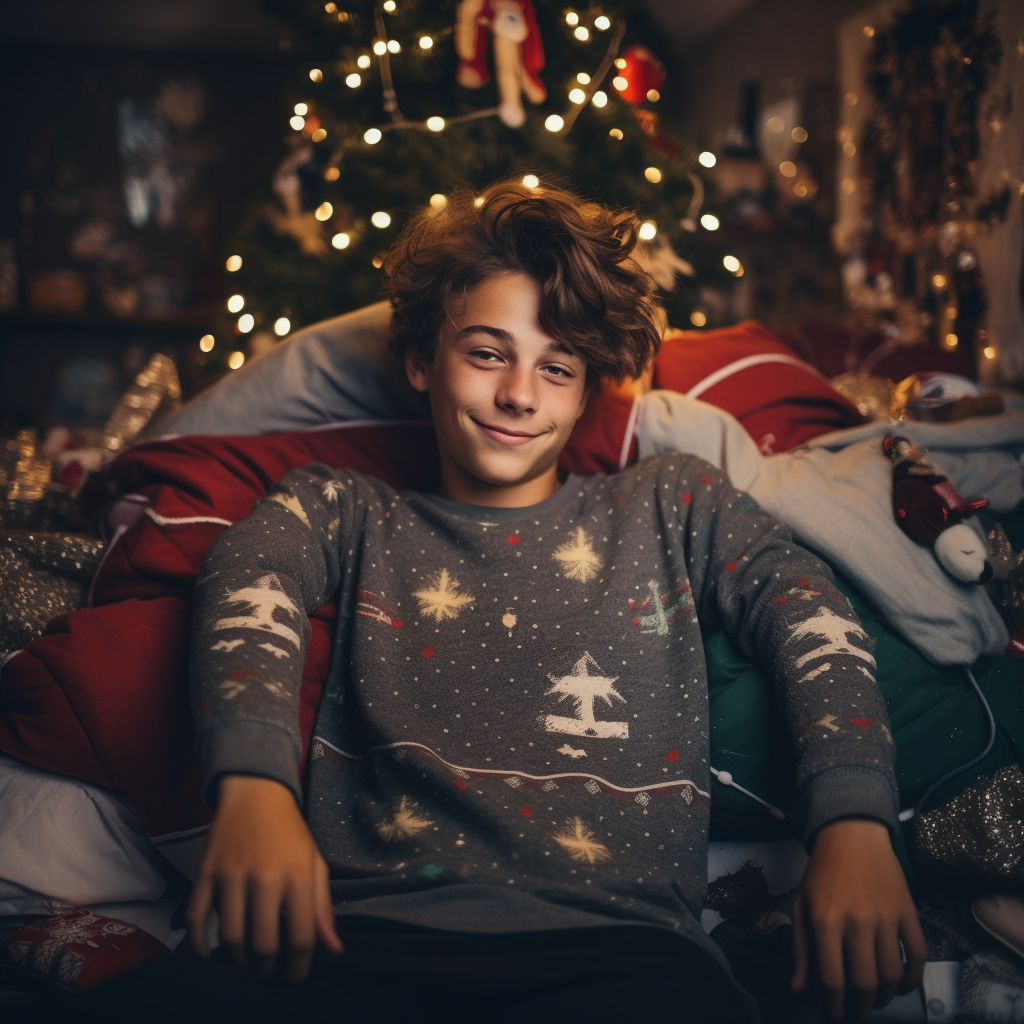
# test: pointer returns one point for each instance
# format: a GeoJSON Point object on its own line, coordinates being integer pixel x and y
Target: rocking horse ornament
{"type": "Point", "coordinates": [518, 53]}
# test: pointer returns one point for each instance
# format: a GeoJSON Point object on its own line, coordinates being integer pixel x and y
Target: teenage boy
{"type": "Point", "coordinates": [509, 765]}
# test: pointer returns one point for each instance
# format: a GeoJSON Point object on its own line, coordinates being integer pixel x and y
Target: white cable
{"type": "Point", "coordinates": [911, 812]}
{"type": "Point", "coordinates": [726, 779]}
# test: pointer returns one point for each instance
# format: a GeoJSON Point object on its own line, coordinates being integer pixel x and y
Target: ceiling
{"type": "Point", "coordinates": [239, 24]}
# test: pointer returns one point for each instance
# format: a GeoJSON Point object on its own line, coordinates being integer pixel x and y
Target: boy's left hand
{"type": "Point", "coordinates": [852, 912]}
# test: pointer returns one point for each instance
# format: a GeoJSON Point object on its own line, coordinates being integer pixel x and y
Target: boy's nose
{"type": "Point", "coordinates": [517, 391]}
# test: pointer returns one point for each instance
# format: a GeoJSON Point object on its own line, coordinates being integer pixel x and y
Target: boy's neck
{"type": "Point", "coordinates": [458, 486]}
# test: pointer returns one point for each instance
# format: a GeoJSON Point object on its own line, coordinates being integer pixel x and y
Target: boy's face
{"type": "Point", "coordinates": [504, 396]}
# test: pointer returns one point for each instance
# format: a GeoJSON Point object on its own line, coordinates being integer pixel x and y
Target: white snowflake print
{"type": "Point", "coordinates": [275, 651]}
{"type": "Point", "coordinates": [405, 823]}
{"type": "Point", "coordinates": [291, 503]}
{"type": "Point", "coordinates": [514, 781]}
{"type": "Point", "coordinates": [584, 689]}
{"type": "Point", "coordinates": [592, 787]}
{"type": "Point", "coordinates": [316, 751]}
{"type": "Point", "coordinates": [687, 794]}
{"type": "Point", "coordinates": [331, 489]}
{"type": "Point", "coordinates": [572, 752]}
{"type": "Point", "coordinates": [263, 598]}
{"type": "Point", "coordinates": [578, 558]}
{"type": "Point", "coordinates": [643, 799]}
{"type": "Point", "coordinates": [231, 688]}
{"type": "Point", "coordinates": [441, 598]}
{"type": "Point", "coordinates": [227, 645]}
{"type": "Point", "coordinates": [579, 842]}
{"type": "Point", "coordinates": [835, 631]}
{"type": "Point", "coordinates": [829, 722]}
{"type": "Point", "coordinates": [549, 786]}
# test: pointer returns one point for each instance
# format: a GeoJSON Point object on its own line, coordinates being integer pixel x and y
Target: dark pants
{"type": "Point", "coordinates": [393, 973]}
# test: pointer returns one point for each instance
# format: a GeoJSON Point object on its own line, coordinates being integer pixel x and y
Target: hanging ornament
{"type": "Point", "coordinates": [650, 125]}
{"type": "Point", "coordinates": [642, 72]}
{"type": "Point", "coordinates": [518, 53]}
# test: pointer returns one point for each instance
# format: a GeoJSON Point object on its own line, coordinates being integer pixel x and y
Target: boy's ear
{"type": "Point", "coordinates": [416, 367]}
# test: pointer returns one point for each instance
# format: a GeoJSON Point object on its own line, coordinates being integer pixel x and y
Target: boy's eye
{"type": "Point", "coordinates": [485, 355]}
{"type": "Point", "coordinates": [559, 371]}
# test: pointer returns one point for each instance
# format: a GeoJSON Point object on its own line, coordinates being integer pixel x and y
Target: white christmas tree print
{"type": "Point", "coordinates": [579, 842]}
{"type": "Point", "coordinates": [579, 559]}
{"type": "Point", "coordinates": [584, 689]}
{"type": "Point", "coordinates": [291, 503]}
{"type": "Point", "coordinates": [405, 824]}
{"type": "Point", "coordinates": [835, 631]}
{"type": "Point", "coordinates": [263, 598]}
{"type": "Point", "coordinates": [442, 599]}
{"type": "Point", "coordinates": [331, 489]}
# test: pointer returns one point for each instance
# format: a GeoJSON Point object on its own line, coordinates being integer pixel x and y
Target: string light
{"type": "Point", "coordinates": [620, 63]}
{"type": "Point", "coordinates": [869, 31]}
{"type": "Point", "coordinates": [577, 96]}
{"type": "Point", "coordinates": [298, 123]}
{"type": "Point", "coordinates": [324, 211]}
{"type": "Point", "coordinates": [709, 222]}
{"type": "Point", "coordinates": [554, 123]}
{"type": "Point", "coordinates": [206, 343]}
{"type": "Point", "coordinates": [620, 83]}
{"type": "Point", "coordinates": [394, 46]}
{"type": "Point", "coordinates": [531, 181]}
{"type": "Point", "coordinates": [380, 219]}
{"type": "Point", "coordinates": [990, 352]}
{"type": "Point", "coordinates": [246, 322]}
{"type": "Point", "coordinates": [707, 159]}
{"type": "Point", "coordinates": [849, 148]}
{"type": "Point", "coordinates": [233, 263]}
{"type": "Point", "coordinates": [378, 261]}
{"type": "Point", "coordinates": [731, 263]}
{"type": "Point", "coordinates": [389, 6]}
{"type": "Point", "coordinates": [236, 304]}
{"type": "Point", "coordinates": [354, 80]}
{"type": "Point", "coordinates": [572, 19]}
{"type": "Point", "coordinates": [282, 325]}
{"type": "Point", "coordinates": [653, 95]}
{"type": "Point", "coordinates": [438, 201]}
{"type": "Point", "coordinates": [647, 230]}
{"type": "Point", "coordinates": [236, 359]}
{"type": "Point", "coordinates": [939, 281]}
{"type": "Point", "coordinates": [849, 186]}
{"type": "Point", "coordinates": [435, 124]}
{"type": "Point", "coordinates": [582, 33]}
{"type": "Point", "coordinates": [776, 124]}
{"type": "Point", "coordinates": [363, 61]}
{"type": "Point", "coordinates": [798, 134]}
{"type": "Point", "coordinates": [341, 240]}
{"type": "Point", "coordinates": [697, 318]}
{"type": "Point", "coordinates": [478, 202]}
{"type": "Point", "coordinates": [319, 135]}
{"type": "Point", "coordinates": [343, 16]}
{"type": "Point", "coordinates": [615, 133]}
{"type": "Point", "coordinates": [602, 23]}
{"type": "Point", "coordinates": [599, 99]}
{"type": "Point", "coordinates": [583, 78]}
{"type": "Point", "coordinates": [315, 75]}
{"type": "Point", "coordinates": [372, 136]}
{"type": "Point", "coordinates": [653, 175]}
{"type": "Point", "coordinates": [380, 47]}
{"type": "Point", "coordinates": [426, 42]}
{"type": "Point", "coordinates": [301, 109]}
{"type": "Point", "coordinates": [788, 168]}
{"type": "Point", "coordinates": [952, 341]}
{"type": "Point", "coordinates": [332, 173]}
{"type": "Point", "coordinates": [330, 8]}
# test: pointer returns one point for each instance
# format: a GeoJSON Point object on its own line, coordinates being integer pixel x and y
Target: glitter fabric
{"type": "Point", "coordinates": [1007, 585]}
{"type": "Point", "coordinates": [980, 832]}
{"type": "Point", "coordinates": [41, 575]}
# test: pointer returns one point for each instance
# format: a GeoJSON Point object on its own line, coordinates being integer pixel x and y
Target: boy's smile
{"type": "Point", "coordinates": [504, 396]}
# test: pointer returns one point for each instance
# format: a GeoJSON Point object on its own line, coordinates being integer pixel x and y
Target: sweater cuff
{"type": "Point", "coordinates": [247, 748]}
{"type": "Point", "coordinates": [849, 793]}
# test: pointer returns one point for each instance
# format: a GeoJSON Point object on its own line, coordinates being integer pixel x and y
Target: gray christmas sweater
{"type": "Point", "coordinates": [513, 734]}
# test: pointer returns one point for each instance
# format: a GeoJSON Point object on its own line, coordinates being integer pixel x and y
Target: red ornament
{"type": "Point", "coordinates": [642, 72]}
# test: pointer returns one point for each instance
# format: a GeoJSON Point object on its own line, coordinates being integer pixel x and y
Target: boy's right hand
{"type": "Point", "coordinates": [261, 862]}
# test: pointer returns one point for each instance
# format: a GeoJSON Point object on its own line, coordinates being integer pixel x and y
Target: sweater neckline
{"type": "Point", "coordinates": [499, 514]}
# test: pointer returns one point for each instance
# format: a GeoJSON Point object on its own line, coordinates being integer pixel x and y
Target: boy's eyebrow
{"type": "Point", "coordinates": [507, 337]}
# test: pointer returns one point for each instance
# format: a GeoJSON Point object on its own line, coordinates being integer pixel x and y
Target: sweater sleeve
{"type": "Point", "coordinates": [260, 580]}
{"type": "Point", "coordinates": [781, 605]}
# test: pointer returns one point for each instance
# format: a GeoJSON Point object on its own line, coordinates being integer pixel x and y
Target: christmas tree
{"type": "Point", "coordinates": [404, 100]}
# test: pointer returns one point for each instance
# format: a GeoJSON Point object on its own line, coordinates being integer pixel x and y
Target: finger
{"type": "Point", "coordinates": [198, 913]}
{"type": "Point", "coordinates": [863, 971]}
{"type": "Point", "coordinates": [265, 923]}
{"type": "Point", "coordinates": [890, 965]}
{"type": "Point", "coordinates": [231, 904]}
{"type": "Point", "coordinates": [828, 950]}
{"type": "Point", "coordinates": [916, 950]}
{"type": "Point", "coordinates": [326, 930]}
{"type": "Point", "coordinates": [301, 929]}
{"type": "Point", "coordinates": [801, 954]}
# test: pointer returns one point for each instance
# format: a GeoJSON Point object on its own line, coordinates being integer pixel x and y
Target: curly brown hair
{"type": "Point", "coordinates": [595, 299]}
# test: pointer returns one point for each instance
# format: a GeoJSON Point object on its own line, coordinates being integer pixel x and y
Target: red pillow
{"type": "Point", "coordinates": [745, 369]}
